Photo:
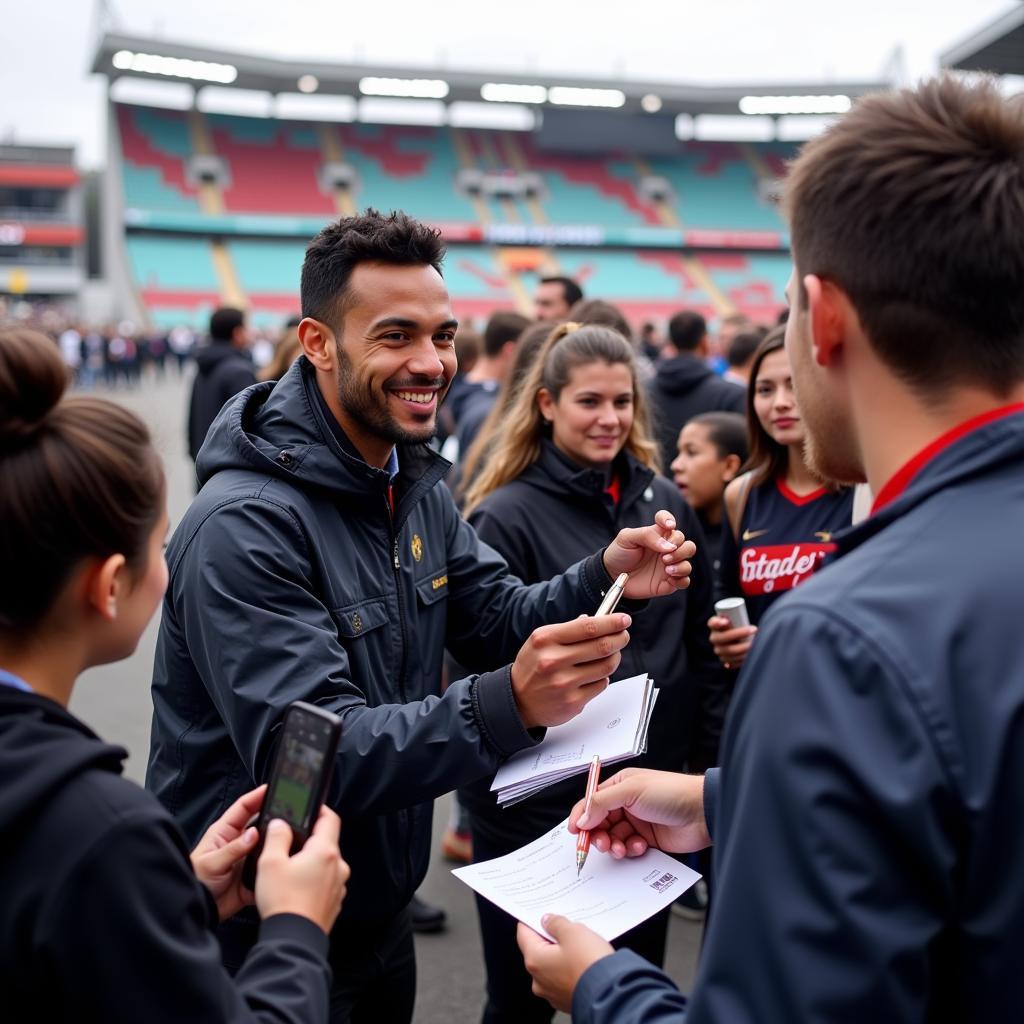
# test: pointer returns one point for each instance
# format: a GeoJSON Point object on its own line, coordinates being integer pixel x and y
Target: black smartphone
{"type": "Point", "coordinates": [299, 777]}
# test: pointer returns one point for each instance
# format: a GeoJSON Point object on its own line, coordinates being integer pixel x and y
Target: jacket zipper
{"type": "Point", "coordinates": [404, 813]}
{"type": "Point", "coordinates": [401, 607]}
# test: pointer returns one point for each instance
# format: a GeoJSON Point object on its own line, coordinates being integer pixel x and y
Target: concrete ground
{"type": "Point", "coordinates": [115, 701]}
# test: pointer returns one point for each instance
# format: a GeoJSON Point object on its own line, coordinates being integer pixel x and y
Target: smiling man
{"type": "Point", "coordinates": [324, 560]}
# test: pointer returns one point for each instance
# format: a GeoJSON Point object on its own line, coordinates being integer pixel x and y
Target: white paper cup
{"type": "Point", "coordinates": [734, 609]}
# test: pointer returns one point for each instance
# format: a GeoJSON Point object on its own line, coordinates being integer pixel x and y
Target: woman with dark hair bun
{"type": "Point", "coordinates": [102, 915]}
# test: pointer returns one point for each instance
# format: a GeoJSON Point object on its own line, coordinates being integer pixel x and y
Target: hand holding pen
{"type": "Point", "coordinates": [583, 839]}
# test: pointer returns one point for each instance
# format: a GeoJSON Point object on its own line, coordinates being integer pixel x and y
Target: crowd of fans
{"type": "Point", "coordinates": [869, 724]}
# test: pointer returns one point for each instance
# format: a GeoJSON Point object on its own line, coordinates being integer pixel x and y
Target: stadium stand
{"type": "Point", "coordinates": [241, 235]}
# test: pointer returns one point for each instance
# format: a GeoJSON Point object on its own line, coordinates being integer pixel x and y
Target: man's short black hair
{"type": "Point", "coordinates": [370, 237]}
{"type": "Point", "coordinates": [224, 321]}
{"type": "Point", "coordinates": [686, 330]}
{"type": "Point", "coordinates": [571, 291]}
{"type": "Point", "coordinates": [504, 326]}
{"type": "Point", "coordinates": [744, 345]}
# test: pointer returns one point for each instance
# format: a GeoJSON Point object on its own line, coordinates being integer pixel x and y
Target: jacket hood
{"type": "Point", "coordinates": [981, 452]}
{"type": "Point", "coordinates": [209, 357]}
{"type": "Point", "coordinates": [42, 747]}
{"type": "Point", "coordinates": [281, 430]}
{"type": "Point", "coordinates": [681, 374]}
{"type": "Point", "coordinates": [557, 474]}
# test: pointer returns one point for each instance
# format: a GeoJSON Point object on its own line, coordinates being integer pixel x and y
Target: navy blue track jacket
{"type": "Point", "coordinates": [289, 579]}
{"type": "Point", "coordinates": [868, 841]}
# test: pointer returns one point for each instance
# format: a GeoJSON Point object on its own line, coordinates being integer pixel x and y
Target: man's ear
{"type": "Point", "coordinates": [105, 583]}
{"type": "Point", "coordinates": [826, 309]}
{"type": "Point", "coordinates": [732, 467]}
{"type": "Point", "coordinates": [317, 340]}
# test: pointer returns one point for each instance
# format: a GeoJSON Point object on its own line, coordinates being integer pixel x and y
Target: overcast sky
{"type": "Point", "coordinates": [49, 96]}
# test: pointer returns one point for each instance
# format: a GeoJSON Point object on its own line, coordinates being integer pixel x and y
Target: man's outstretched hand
{"type": "Point", "coordinates": [656, 558]}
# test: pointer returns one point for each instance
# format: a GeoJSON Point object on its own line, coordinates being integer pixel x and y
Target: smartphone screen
{"type": "Point", "coordinates": [298, 780]}
{"type": "Point", "coordinates": [296, 783]}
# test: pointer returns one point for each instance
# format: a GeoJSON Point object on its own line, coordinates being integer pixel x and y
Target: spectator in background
{"type": "Point", "coordinates": [223, 369]}
{"type": "Point", "coordinates": [651, 341]}
{"type": "Point", "coordinates": [597, 311]}
{"type": "Point", "coordinates": [181, 341]}
{"type": "Point", "coordinates": [781, 515]}
{"type": "Point", "coordinates": [491, 429]}
{"type": "Point", "coordinates": [71, 350]}
{"type": "Point", "coordinates": [468, 346]}
{"type": "Point", "coordinates": [712, 447]}
{"type": "Point", "coordinates": [482, 382]}
{"type": "Point", "coordinates": [286, 351]}
{"type": "Point", "coordinates": [740, 354]}
{"type": "Point", "coordinates": [554, 297]}
{"type": "Point", "coordinates": [728, 327]}
{"type": "Point", "coordinates": [684, 386]}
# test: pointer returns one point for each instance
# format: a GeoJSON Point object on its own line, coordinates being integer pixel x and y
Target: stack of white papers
{"type": "Point", "coordinates": [609, 896]}
{"type": "Point", "coordinates": [613, 726]}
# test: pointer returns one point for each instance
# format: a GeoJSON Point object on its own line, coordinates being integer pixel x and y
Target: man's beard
{"type": "Point", "coordinates": [370, 409]}
{"type": "Point", "coordinates": [827, 451]}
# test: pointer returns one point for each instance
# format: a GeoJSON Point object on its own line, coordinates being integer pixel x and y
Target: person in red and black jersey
{"type": "Point", "coordinates": [781, 516]}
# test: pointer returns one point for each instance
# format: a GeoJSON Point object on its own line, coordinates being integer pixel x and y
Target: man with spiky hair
{"type": "Point", "coordinates": [324, 561]}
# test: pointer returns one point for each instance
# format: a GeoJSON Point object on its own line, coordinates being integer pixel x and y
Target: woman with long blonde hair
{"type": "Point", "coordinates": [574, 463]}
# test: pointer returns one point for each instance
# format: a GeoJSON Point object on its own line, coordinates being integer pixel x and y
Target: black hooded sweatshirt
{"type": "Point", "coordinates": [684, 387]}
{"type": "Point", "coordinates": [221, 372]}
{"type": "Point", "coordinates": [101, 917]}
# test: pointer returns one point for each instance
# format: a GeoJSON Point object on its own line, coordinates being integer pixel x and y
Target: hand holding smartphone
{"type": "Point", "coordinates": [299, 777]}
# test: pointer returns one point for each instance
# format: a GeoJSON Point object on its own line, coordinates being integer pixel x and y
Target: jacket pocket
{"type": "Point", "coordinates": [432, 589]}
{"type": "Point", "coordinates": [356, 620]}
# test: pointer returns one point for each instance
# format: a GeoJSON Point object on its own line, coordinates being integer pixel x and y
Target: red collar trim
{"type": "Point", "coordinates": [614, 489]}
{"type": "Point", "coordinates": [900, 480]}
{"type": "Point", "coordinates": [798, 499]}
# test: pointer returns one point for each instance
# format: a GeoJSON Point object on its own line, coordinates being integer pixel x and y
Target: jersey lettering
{"type": "Point", "coordinates": [777, 567]}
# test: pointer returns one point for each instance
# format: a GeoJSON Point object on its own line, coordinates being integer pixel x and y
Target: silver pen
{"type": "Point", "coordinates": [611, 598]}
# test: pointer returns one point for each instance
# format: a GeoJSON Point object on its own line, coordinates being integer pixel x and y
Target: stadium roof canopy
{"type": "Point", "coordinates": [127, 55]}
{"type": "Point", "coordinates": [998, 47]}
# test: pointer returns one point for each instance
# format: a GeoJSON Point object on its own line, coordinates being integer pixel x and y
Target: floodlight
{"type": "Point", "coordinates": [406, 88]}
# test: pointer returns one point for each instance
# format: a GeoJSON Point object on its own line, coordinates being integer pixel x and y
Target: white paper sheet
{"type": "Point", "coordinates": [610, 896]}
{"type": "Point", "coordinates": [613, 726]}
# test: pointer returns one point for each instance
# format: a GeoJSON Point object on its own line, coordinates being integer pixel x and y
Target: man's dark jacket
{"type": "Point", "coordinates": [868, 837]}
{"type": "Point", "coordinates": [684, 387]}
{"type": "Point", "coordinates": [101, 917]}
{"type": "Point", "coordinates": [289, 579]}
{"type": "Point", "coordinates": [221, 372]}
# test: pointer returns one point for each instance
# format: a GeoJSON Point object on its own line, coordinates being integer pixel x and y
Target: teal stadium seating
{"type": "Point", "coordinates": [175, 277]}
{"type": "Point", "coordinates": [716, 188]}
{"type": "Point", "coordinates": [273, 189]}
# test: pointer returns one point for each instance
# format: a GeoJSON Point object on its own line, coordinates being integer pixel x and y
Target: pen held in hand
{"type": "Point", "coordinates": [615, 591]}
{"type": "Point", "coordinates": [583, 838]}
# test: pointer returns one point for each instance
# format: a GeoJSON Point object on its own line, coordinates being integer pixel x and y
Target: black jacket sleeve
{"type": "Point", "coordinates": [257, 656]}
{"type": "Point", "coordinates": [711, 684]}
{"type": "Point", "coordinates": [127, 937]}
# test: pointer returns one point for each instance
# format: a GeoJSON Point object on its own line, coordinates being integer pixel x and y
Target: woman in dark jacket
{"type": "Point", "coordinates": [573, 465]}
{"type": "Point", "coordinates": [102, 915]}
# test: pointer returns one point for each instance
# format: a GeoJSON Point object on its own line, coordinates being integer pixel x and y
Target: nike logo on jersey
{"type": "Point", "coordinates": [824, 536]}
{"type": "Point", "coordinates": [751, 534]}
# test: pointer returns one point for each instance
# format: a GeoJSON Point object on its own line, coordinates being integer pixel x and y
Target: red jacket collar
{"type": "Point", "coordinates": [900, 480]}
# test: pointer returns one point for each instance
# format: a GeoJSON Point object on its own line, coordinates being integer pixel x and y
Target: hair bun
{"type": "Point", "coordinates": [32, 379]}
